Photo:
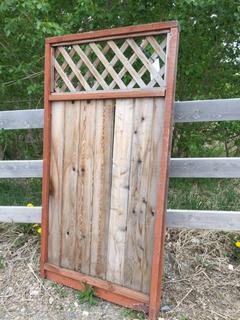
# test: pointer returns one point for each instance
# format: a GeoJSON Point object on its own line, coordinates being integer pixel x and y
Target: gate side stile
{"type": "Point", "coordinates": [160, 223]}
{"type": "Point", "coordinates": [46, 156]}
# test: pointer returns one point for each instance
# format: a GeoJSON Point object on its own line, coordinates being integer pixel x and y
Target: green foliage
{"type": "Point", "coordinates": [87, 295]}
{"type": "Point", "coordinates": [20, 144]}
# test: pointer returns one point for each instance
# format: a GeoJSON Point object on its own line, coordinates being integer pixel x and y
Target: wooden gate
{"type": "Point", "coordinates": [108, 107]}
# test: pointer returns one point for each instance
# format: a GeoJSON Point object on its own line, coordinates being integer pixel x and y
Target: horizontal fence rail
{"type": "Point", "coordinates": [184, 219]}
{"type": "Point", "coordinates": [21, 169]}
{"type": "Point", "coordinates": [207, 110]}
{"type": "Point", "coordinates": [187, 111]}
{"type": "Point", "coordinates": [19, 214]}
{"type": "Point", "coordinates": [205, 167]}
{"type": "Point", "coordinates": [21, 119]}
{"type": "Point", "coordinates": [179, 168]}
{"type": "Point", "coordinates": [203, 219]}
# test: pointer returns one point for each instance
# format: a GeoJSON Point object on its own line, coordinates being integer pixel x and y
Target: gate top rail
{"type": "Point", "coordinates": [114, 32]}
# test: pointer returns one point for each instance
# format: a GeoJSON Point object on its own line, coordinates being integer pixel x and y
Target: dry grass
{"type": "Point", "coordinates": [198, 283]}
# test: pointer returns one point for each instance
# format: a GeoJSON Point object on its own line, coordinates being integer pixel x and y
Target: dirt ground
{"type": "Point", "coordinates": [201, 281]}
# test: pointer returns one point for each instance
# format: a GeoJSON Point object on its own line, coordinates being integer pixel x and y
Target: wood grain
{"type": "Point", "coordinates": [69, 183]}
{"type": "Point", "coordinates": [108, 94]}
{"type": "Point", "coordinates": [56, 180]}
{"type": "Point", "coordinates": [120, 189]}
{"type": "Point", "coordinates": [102, 186]}
{"type": "Point", "coordinates": [138, 191]}
{"type": "Point", "coordinates": [85, 187]}
{"type": "Point", "coordinates": [153, 179]}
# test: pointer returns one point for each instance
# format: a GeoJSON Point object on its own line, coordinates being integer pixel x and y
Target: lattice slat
{"type": "Point", "coordinates": [108, 66]}
{"type": "Point", "coordinates": [157, 48]}
{"type": "Point", "coordinates": [95, 64]}
{"type": "Point", "coordinates": [71, 76]}
{"type": "Point", "coordinates": [153, 57]}
{"type": "Point", "coordinates": [117, 64]}
{"type": "Point", "coordinates": [146, 62]}
{"type": "Point", "coordinates": [131, 61]}
{"type": "Point", "coordinates": [126, 64]}
{"type": "Point", "coordinates": [74, 68]}
{"type": "Point", "coordinates": [63, 76]}
{"type": "Point", "coordinates": [91, 67]}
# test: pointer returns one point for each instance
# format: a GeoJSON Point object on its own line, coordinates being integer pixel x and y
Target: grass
{"type": "Point", "coordinates": [20, 192]}
{"type": "Point", "coordinates": [204, 194]}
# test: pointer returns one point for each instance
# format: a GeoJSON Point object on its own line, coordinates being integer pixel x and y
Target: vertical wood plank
{"type": "Point", "coordinates": [102, 186]}
{"type": "Point", "coordinates": [140, 161]}
{"type": "Point", "coordinates": [56, 179]}
{"type": "Point", "coordinates": [69, 182]}
{"type": "Point", "coordinates": [153, 180]}
{"type": "Point", "coordinates": [85, 187]}
{"type": "Point", "coordinates": [120, 189]}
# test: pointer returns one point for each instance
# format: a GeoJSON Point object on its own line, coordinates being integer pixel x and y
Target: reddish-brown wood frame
{"type": "Point", "coordinates": [104, 289]}
{"type": "Point", "coordinates": [124, 31]}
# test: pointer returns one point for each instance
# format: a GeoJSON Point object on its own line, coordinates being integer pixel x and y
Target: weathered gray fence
{"type": "Point", "coordinates": [187, 111]}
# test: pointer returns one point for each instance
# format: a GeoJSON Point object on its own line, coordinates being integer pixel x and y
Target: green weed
{"type": "Point", "coordinates": [87, 295]}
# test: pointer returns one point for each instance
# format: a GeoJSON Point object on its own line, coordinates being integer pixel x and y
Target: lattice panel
{"type": "Point", "coordinates": [120, 64]}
